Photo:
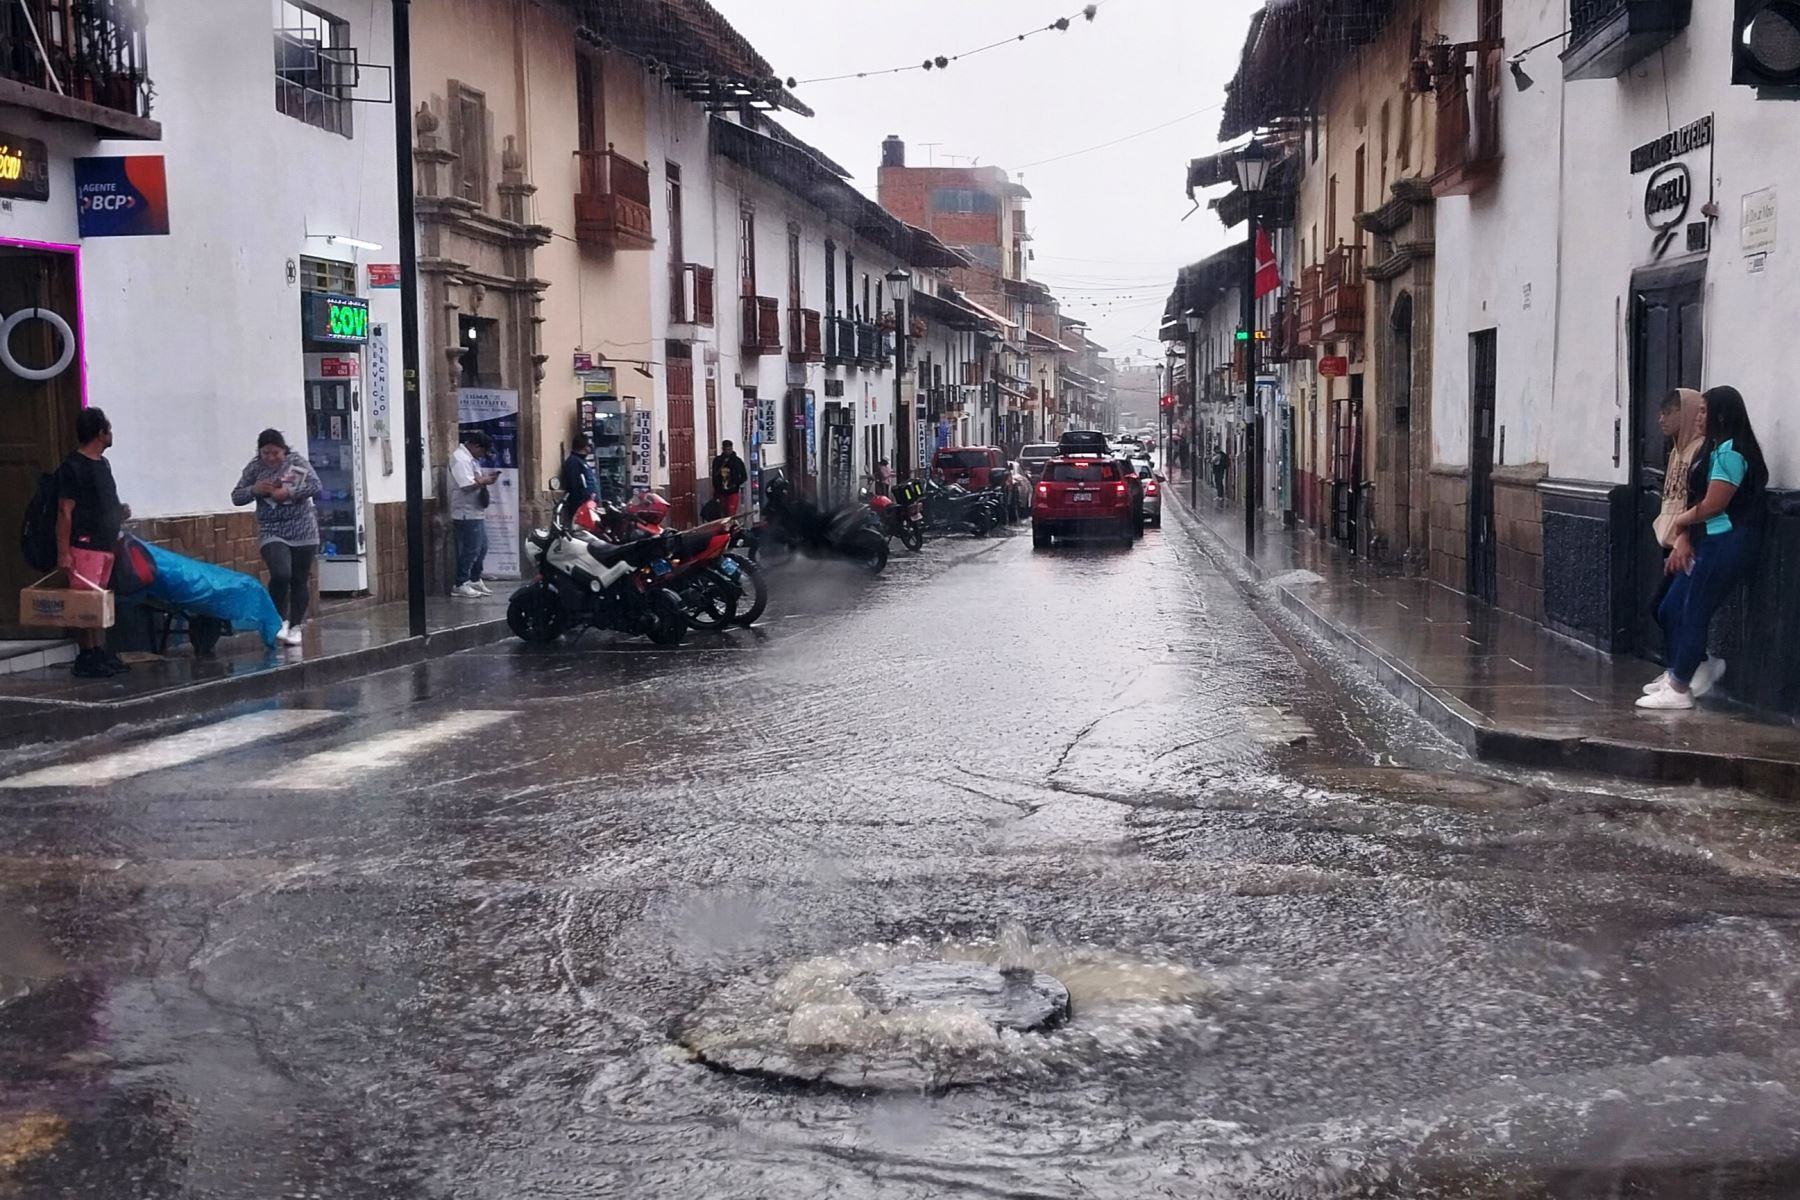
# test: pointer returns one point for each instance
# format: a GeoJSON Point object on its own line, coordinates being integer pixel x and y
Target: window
{"type": "Point", "coordinates": [868, 314]}
{"type": "Point", "coordinates": [746, 249]}
{"type": "Point", "coordinates": [850, 285]}
{"type": "Point", "coordinates": [479, 366]}
{"type": "Point", "coordinates": [963, 200]}
{"type": "Point", "coordinates": [1331, 207]}
{"type": "Point", "coordinates": [793, 266]}
{"type": "Point", "coordinates": [590, 111]}
{"type": "Point", "coordinates": [1385, 149]}
{"type": "Point", "coordinates": [1362, 174]}
{"type": "Point", "coordinates": [327, 275]}
{"type": "Point", "coordinates": [315, 68]}
{"type": "Point", "coordinates": [469, 142]}
{"type": "Point", "coordinates": [830, 279]}
{"type": "Point", "coordinates": [1081, 472]}
{"type": "Point", "coordinates": [677, 257]}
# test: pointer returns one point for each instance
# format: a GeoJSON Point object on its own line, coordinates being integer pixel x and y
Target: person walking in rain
{"type": "Point", "coordinates": [1221, 462]}
{"type": "Point", "coordinates": [282, 485]}
{"type": "Point", "coordinates": [728, 478]}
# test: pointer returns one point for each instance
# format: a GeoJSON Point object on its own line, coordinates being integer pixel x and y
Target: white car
{"type": "Point", "coordinates": [1153, 486]}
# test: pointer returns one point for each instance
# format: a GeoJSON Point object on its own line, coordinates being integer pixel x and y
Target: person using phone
{"type": "Point", "coordinates": [469, 483]}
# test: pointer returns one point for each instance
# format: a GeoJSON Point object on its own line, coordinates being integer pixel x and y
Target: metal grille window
{"type": "Point", "coordinates": [328, 275]}
{"type": "Point", "coordinates": [315, 68]}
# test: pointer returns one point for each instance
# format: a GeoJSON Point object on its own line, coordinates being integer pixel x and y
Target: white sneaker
{"type": "Point", "coordinates": [290, 635]}
{"type": "Point", "coordinates": [1658, 684]}
{"type": "Point", "coordinates": [1706, 675]}
{"type": "Point", "coordinates": [465, 591]}
{"type": "Point", "coordinates": [1667, 698]}
{"type": "Point", "coordinates": [281, 634]}
{"type": "Point", "coordinates": [481, 587]}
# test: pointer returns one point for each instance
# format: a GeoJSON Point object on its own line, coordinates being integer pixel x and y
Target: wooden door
{"type": "Point", "coordinates": [678, 357]}
{"type": "Point", "coordinates": [38, 428]}
{"type": "Point", "coordinates": [1666, 348]}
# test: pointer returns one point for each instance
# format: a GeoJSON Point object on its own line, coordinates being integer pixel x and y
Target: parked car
{"type": "Point", "coordinates": [1152, 491]}
{"type": "Point", "coordinates": [970, 466]}
{"type": "Point", "coordinates": [1134, 485]}
{"type": "Point", "coordinates": [1083, 495]}
{"type": "Point", "coordinates": [1034, 455]}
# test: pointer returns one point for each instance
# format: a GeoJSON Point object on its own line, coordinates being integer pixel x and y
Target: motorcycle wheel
{"type": "Point", "coordinates": [669, 624]}
{"type": "Point", "coordinates": [534, 614]}
{"type": "Point", "coordinates": [751, 581]}
{"type": "Point", "coordinates": [711, 603]}
{"type": "Point", "coordinates": [868, 550]}
{"type": "Point", "coordinates": [912, 538]}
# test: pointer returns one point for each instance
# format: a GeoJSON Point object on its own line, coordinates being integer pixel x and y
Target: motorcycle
{"type": "Point", "coordinates": [585, 582]}
{"type": "Point", "coordinates": [898, 519]}
{"type": "Point", "coordinates": [798, 526]}
{"type": "Point", "coordinates": [718, 588]}
{"type": "Point", "coordinates": [955, 509]}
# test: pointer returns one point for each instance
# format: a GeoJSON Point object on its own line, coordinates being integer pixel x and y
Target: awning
{"type": "Point", "coordinates": [983, 309]}
{"type": "Point", "coordinates": [694, 47]}
{"type": "Point", "coordinates": [1034, 338]}
{"type": "Point", "coordinates": [949, 312]}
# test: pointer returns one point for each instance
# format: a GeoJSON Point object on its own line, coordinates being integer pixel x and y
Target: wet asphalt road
{"type": "Point", "coordinates": [460, 931]}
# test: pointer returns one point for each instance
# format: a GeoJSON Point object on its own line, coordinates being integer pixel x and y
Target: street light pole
{"type": "Point", "coordinates": [412, 424]}
{"type": "Point", "coordinates": [1252, 171]}
{"type": "Point", "coordinates": [1193, 437]}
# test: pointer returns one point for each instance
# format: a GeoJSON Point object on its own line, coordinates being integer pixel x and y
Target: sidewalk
{"type": "Point", "coordinates": [342, 642]}
{"type": "Point", "coordinates": [1506, 688]}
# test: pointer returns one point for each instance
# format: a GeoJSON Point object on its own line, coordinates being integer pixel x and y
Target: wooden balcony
{"type": "Point", "coordinates": [1341, 310]}
{"type": "Point", "coordinates": [973, 375]}
{"type": "Point", "coordinates": [1609, 37]}
{"type": "Point", "coordinates": [868, 343]}
{"type": "Point", "coordinates": [1312, 295]}
{"type": "Point", "coordinates": [612, 209]}
{"type": "Point", "coordinates": [1282, 326]}
{"type": "Point", "coordinates": [805, 341]}
{"type": "Point", "coordinates": [759, 325]}
{"type": "Point", "coordinates": [91, 68]}
{"type": "Point", "coordinates": [840, 340]}
{"type": "Point", "coordinates": [1469, 79]}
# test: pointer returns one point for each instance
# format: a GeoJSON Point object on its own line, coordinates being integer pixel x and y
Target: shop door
{"type": "Point", "coordinates": [679, 364]}
{"type": "Point", "coordinates": [1483, 551]}
{"type": "Point", "coordinates": [38, 428]}
{"type": "Point", "coordinates": [1346, 464]}
{"type": "Point", "coordinates": [1400, 460]}
{"type": "Point", "coordinates": [840, 455]}
{"type": "Point", "coordinates": [1666, 345]}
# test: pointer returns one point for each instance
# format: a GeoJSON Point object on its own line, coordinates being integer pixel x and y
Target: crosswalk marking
{"type": "Point", "coordinates": [172, 750]}
{"type": "Point", "coordinates": [335, 768]}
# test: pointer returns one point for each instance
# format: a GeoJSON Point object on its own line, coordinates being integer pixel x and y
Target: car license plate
{"type": "Point", "coordinates": [1080, 497]}
{"type": "Point", "coordinates": [661, 567]}
{"type": "Point", "coordinates": [729, 567]}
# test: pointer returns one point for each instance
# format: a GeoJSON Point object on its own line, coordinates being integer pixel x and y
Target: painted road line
{"type": "Point", "coordinates": [336, 768]}
{"type": "Point", "coordinates": [173, 750]}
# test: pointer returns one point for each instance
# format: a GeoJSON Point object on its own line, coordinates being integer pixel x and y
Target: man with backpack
{"type": "Point", "coordinates": [85, 522]}
{"type": "Point", "coordinates": [728, 478]}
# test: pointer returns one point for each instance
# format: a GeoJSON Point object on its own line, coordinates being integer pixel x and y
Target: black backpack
{"type": "Point", "coordinates": [37, 533]}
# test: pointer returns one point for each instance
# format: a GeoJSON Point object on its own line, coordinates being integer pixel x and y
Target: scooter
{"type": "Point", "coordinates": [585, 582]}
{"type": "Point", "coordinates": [897, 519]}
{"type": "Point", "coordinates": [954, 509]}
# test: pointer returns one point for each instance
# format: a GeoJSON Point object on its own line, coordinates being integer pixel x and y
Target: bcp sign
{"type": "Point", "coordinates": [122, 197]}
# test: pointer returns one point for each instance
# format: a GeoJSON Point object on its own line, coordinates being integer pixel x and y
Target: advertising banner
{"type": "Point", "coordinates": [384, 276]}
{"type": "Point", "coordinates": [495, 411]}
{"type": "Point", "coordinates": [122, 197]}
{"type": "Point", "coordinates": [643, 423]}
{"type": "Point", "coordinates": [812, 440]}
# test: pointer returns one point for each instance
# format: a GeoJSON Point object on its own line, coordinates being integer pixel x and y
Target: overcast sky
{"type": "Point", "coordinates": [1107, 224]}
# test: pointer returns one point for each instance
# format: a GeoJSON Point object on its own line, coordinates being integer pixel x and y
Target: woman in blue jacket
{"type": "Point", "coordinates": [1716, 544]}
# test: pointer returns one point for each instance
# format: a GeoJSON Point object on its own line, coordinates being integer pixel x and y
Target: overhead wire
{"type": "Point", "coordinates": [940, 61]}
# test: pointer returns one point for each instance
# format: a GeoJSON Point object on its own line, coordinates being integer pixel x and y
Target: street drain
{"type": "Point", "coordinates": [1441, 788]}
{"type": "Point", "coordinates": [913, 1014]}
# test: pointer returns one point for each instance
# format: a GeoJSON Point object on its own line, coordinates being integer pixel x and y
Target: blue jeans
{"type": "Point", "coordinates": [1720, 562]}
{"type": "Point", "coordinates": [471, 549]}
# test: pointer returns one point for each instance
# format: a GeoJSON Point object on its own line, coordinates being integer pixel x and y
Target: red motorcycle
{"type": "Point", "coordinates": [718, 588]}
{"type": "Point", "coordinates": [901, 518]}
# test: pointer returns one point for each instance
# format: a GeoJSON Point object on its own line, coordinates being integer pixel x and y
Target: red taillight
{"type": "Point", "coordinates": [1122, 489]}
{"type": "Point", "coordinates": [1149, 489]}
{"type": "Point", "coordinates": [1043, 489]}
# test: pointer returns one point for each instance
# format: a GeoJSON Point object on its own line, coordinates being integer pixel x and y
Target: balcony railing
{"type": "Point", "coordinates": [1312, 295]}
{"type": "Point", "coordinates": [612, 209]}
{"type": "Point", "coordinates": [805, 343]}
{"type": "Point", "coordinates": [759, 324]}
{"type": "Point", "coordinates": [868, 343]}
{"type": "Point", "coordinates": [1279, 347]}
{"type": "Point", "coordinates": [1341, 313]}
{"type": "Point", "coordinates": [1608, 37]}
{"type": "Point", "coordinates": [94, 49]}
{"type": "Point", "coordinates": [1468, 78]}
{"type": "Point", "coordinates": [840, 341]}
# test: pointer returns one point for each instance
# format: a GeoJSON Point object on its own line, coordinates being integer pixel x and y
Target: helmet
{"type": "Point", "coordinates": [648, 508]}
{"type": "Point", "coordinates": [880, 502]}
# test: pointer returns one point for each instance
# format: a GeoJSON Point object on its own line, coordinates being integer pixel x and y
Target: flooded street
{"type": "Point", "coordinates": [711, 922]}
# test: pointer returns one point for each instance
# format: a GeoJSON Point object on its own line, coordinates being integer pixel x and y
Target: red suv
{"type": "Point", "coordinates": [1083, 495]}
{"type": "Point", "coordinates": [975, 467]}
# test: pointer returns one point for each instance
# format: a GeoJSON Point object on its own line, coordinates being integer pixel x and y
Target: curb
{"type": "Point", "coordinates": [66, 722]}
{"type": "Point", "coordinates": [1488, 742]}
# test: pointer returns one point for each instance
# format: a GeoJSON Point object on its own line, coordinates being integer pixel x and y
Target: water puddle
{"type": "Point", "coordinates": [929, 1015]}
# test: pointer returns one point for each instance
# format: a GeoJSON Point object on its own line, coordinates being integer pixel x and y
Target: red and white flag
{"type": "Point", "coordinates": [1268, 275]}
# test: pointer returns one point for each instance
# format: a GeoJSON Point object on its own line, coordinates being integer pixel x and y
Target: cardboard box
{"type": "Point", "coordinates": [64, 608]}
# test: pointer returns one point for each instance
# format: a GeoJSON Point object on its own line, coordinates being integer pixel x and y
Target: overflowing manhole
{"type": "Point", "coordinates": [919, 1014]}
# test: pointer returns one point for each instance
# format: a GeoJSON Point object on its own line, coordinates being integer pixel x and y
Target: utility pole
{"type": "Point", "coordinates": [411, 422]}
{"type": "Point", "coordinates": [1251, 452]}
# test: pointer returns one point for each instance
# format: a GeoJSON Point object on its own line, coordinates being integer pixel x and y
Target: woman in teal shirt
{"type": "Point", "coordinates": [1715, 548]}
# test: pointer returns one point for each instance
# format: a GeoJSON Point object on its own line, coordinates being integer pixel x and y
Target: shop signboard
{"type": "Point", "coordinates": [122, 197]}
{"type": "Point", "coordinates": [599, 381]}
{"type": "Point", "coordinates": [337, 319]}
{"type": "Point", "coordinates": [643, 423]}
{"type": "Point", "coordinates": [495, 412]}
{"type": "Point", "coordinates": [24, 168]}
{"type": "Point", "coordinates": [1334, 366]}
{"type": "Point", "coordinates": [812, 440]}
{"type": "Point", "coordinates": [384, 276]}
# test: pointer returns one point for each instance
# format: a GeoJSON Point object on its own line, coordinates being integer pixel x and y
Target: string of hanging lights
{"type": "Point", "coordinates": [941, 61]}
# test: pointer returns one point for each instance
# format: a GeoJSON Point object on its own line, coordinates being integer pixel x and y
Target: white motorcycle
{"type": "Point", "coordinates": [584, 582]}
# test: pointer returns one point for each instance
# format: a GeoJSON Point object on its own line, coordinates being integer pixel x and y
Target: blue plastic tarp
{"type": "Point", "coordinates": [214, 591]}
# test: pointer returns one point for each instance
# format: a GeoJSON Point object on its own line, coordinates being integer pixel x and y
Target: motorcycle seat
{"type": "Point", "coordinates": [692, 543]}
{"type": "Point", "coordinates": [607, 553]}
